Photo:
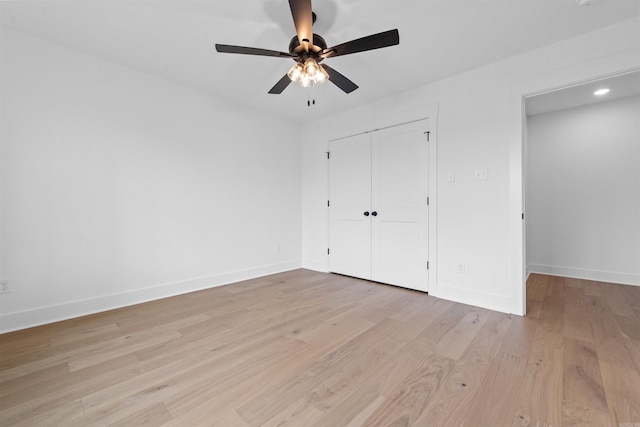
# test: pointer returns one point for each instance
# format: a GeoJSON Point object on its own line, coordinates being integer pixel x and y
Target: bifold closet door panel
{"type": "Point", "coordinates": [350, 206]}
{"type": "Point", "coordinates": [399, 230]}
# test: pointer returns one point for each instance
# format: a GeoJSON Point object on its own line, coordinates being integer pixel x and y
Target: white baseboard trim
{"type": "Point", "coordinates": [54, 313]}
{"type": "Point", "coordinates": [504, 304]}
{"type": "Point", "coordinates": [581, 273]}
{"type": "Point", "coordinates": [315, 265]}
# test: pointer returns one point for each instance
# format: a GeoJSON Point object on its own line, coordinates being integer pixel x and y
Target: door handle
{"type": "Point", "coordinates": [374, 213]}
{"type": "Point", "coordinates": [366, 214]}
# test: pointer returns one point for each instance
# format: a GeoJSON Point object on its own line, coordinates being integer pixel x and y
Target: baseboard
{"type": "Point", "coordinates": [315, 265]}
{"type": "Point", "coordinates": [504, 304]}
{"type": "Point", "coordinates": [54, 313]}
{"type": "Point", "coordinates": [586, 274]}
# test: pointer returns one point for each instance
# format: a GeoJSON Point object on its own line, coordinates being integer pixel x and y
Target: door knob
{"type": "Point", "coordinates": [366, 214]}
{"type": "Point", "coordinates": [374, 213]}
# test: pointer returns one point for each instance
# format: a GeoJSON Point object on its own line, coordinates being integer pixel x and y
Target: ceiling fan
{"type": "Point", "coordinates": [308, 50]}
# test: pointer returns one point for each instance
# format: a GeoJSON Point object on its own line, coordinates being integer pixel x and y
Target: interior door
{"type": "Point", "coordinates": [400, 232]}
{"type": "Point", "coordinates": [378, 213]}
{"type": "Point", "coordinates": [350, 202]}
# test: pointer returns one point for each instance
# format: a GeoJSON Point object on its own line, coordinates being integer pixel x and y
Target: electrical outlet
{"type": "Point", "coordinates": [461, 268]}
{"type": "Point", "coordinates": [4, 287]}
{"type": "Point", "coordinates": [277, 249]}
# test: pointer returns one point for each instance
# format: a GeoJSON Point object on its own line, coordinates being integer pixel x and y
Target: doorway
{"type": "Point", "coordinates": [581, 181]}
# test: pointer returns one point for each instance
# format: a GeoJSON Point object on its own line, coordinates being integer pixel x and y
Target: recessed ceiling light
{"type": "Point", "coordinates": [601, 92]}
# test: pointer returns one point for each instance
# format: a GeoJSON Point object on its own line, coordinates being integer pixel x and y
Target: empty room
{"type": "Point", "coordinates": [320, 213]}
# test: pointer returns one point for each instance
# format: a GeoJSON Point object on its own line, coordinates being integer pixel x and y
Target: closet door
{"type": "Point", "coordinates": [350, 203]}
{"type": "Point", "coordinates": [400, 233]}
{"type": "Point", "coordinates": [378, 213]}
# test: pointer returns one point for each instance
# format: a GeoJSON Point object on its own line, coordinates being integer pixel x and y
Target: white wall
{"type": "Point", "coordinates": [583, 192]}
{"type": "Point", "coordinates": [119, 187]}
{"type": "Point", "coordinates": [479, 125]}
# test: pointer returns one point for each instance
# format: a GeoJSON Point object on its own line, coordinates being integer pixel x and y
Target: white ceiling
{"type": "Point", "coordinates": [438, 38]}
{"type": "Point", "coordinates": [620, 86]}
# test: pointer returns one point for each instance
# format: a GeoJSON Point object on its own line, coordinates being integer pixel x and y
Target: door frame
{"type": "Point", "coordinates": [577, 74]}
{"type": "Point", "coordinates": [428, 112]}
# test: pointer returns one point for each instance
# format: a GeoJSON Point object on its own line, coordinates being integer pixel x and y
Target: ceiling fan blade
{"type": "Point", "coordinates": [281, 85]}
{"type": "Point", "coordinates": [303, 20]}
{"type": "Point", "coordinates": [339, 80]}
{"type": "Point", "coordinates": [374, 41]}
{"type": "Point", "coordinates": [226, 48]}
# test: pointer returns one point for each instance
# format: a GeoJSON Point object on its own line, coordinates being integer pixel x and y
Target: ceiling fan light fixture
{"type": "Point", "coordinates": [307, 73]}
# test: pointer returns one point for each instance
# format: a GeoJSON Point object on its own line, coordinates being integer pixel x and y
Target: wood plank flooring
{"type": "Point", "coordinates": [304, 348]}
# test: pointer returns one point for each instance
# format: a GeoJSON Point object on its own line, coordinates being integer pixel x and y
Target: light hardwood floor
{"type": "Point", "coordinates": [304, 348]}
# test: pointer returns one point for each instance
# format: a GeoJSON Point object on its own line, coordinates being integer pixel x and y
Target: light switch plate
{"type": "Point", "coordinates": [481, 174]}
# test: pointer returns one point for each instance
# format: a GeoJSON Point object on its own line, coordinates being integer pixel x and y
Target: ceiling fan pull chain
{"type": "Point", "coordinates": [311, 94]}
{"type": "Point", "coordinates": [313, 90]}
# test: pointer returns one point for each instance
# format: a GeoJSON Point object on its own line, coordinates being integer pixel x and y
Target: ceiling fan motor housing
{"type": "Point", "coordinates": [318, 41]}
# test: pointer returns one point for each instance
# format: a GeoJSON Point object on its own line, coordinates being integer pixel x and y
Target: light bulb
{"type": "Point", "coordinates": [321, 75]}
{"type": "Point", "coordinates": [601, 92]}
{"type": "Point", "coordinates": [296, 73]}
{"type": "Point", "coordinates": [305, 81]}
{"type": "Point", "coordinates": [311, 68]}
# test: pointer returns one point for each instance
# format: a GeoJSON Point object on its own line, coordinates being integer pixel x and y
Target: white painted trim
{"type": "Point", "coordinates": [54, 313]}
{"type": "Point", "coordinates": [582, 273]}
{"type": "Point", "coordinates": [433, 196]}
{"type": "Point", "coordinates": [315, 265]}
{"type": "Point", "coordinates": [477, 299]}
{"type": "Point", "coordinates": [383, 121]}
